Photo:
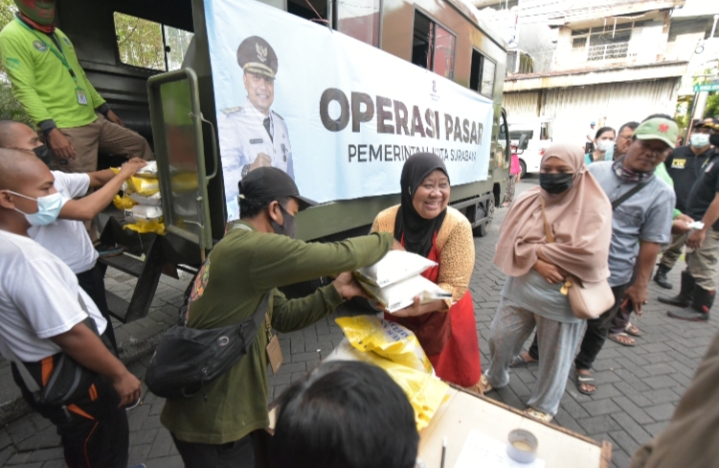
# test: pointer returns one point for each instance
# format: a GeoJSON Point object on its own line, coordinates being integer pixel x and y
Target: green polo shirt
{"type": "Point", "coordinates": [240, 270]}
{"type": "Point", "coordinates": [41, 82]}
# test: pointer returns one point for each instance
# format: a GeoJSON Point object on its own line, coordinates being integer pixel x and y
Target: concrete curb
{"type": "Point", "coordinates": [130, 352]}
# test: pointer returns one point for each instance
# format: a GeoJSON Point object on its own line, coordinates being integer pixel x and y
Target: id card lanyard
{"type": "Point", "coordinates": [60, 54]}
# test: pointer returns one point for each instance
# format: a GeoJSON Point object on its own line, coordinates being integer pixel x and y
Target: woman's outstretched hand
{"type": "Point", "coordinates": [417, 308]}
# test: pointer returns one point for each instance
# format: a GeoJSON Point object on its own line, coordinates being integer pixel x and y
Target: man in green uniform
{"type": "Point", "coordinates": [49, 82]}
{"type": "Point", "coordinates": [213, 428]}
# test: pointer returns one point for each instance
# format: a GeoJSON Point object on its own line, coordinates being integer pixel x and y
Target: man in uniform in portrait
{"type": "Point", "coordinates": [252, 135]}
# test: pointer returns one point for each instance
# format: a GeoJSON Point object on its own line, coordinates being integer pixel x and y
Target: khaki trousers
{"type": "Point", "coordinates": [101, 135]}
{"type": "Point", "coordinates": [674, 250]}
{"type": "Point", "coordinates": [702, 263]}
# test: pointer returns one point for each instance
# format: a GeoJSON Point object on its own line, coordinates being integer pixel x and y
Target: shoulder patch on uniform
{"type": "Point", "coordinates": [12, 63]}
{"type": "Point", "coordinates": [278, 115]}
{"type": "Point", "coordinates": [231, 110]}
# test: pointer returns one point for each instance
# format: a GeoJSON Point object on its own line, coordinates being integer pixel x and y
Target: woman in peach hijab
{"type": "Point", "coordinates": [579, 215]}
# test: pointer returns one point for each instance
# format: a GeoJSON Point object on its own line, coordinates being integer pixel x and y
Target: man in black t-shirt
{"type": "Point", "coordinates": [684, 166]}
{"type": "Point", "coordinates": [699, 280]}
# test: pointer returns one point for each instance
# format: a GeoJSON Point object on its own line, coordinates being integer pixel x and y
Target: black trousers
{"type": "Point", "coordinates": [238, 454]}
{"type": "Point", "coordinates": [595, 336]}
{"type": "Point", "coordinates": [94, 431]}
{"type": "Point", "coordinates": [92, 282]}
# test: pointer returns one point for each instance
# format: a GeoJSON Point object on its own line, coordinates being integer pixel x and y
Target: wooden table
{"type": "Point", "coordinates": [464, 412]}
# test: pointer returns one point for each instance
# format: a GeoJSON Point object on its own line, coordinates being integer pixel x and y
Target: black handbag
{"type": "Point", "coordinates": [187, 359]}
{"type": "Point", "coordinates": [68, 380]}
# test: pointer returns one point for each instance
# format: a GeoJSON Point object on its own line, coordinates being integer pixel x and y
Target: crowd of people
{"type": "Point", "coordinates": [601, 216]}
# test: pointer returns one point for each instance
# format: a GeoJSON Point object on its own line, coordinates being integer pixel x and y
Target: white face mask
{"type": "Point", "coordinates": [605, 145]}
{"type": "Point", "coordinates": [699, 140]}
{"type": "Point", "coordinates": [48, 208]}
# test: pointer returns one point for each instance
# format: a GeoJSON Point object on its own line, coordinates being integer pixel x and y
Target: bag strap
{"type": "Point", "coordinates": [547, 229]}
{"type": "Point", "coordinates": [249, 329]}
{"type": "Point", "coordinates": [628, 195]}
{"type": "Point", "coordinates": [30, 382]}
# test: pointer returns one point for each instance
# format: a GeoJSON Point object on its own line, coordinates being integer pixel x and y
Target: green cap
{"type": "Point", "coordinates": [658, 128]}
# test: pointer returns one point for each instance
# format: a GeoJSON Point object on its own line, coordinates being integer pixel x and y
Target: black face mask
{"type": "Point", "coordinates": [43, 153]}
{"type": "Point", "coordinates": [288, 228]}
{"type": "Point", "coordinates": [714, 140]}
{"type": "Point", "coordinates": [556, 183]}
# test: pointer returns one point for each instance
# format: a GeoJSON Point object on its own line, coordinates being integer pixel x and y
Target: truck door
{"type": "Point", "coordinates": [177, 125]}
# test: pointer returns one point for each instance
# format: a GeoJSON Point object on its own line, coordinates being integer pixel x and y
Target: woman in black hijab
{"type": "Point", "coordinates": [418, 232]}
{"type": "Point", "coordinates": [424, 224]}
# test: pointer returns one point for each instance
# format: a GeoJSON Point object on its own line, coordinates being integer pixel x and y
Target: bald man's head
{"type": "Point", "coordinates": [17, 135]}
{"type": "Point", "coordinates": [21, 171]}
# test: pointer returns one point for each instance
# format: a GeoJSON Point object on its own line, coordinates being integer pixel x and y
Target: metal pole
{"type": "Point", "coordinates": [691, 117]}
{"type": "Point", "coordinates": [714, 26]}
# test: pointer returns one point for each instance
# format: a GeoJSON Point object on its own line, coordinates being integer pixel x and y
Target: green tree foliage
{"type": "Point", "coordinates": [712, 108]}
{"type": "Point", "coordinates": [10, 108]}
{"type": "Point", "coordinates": [140, 42]}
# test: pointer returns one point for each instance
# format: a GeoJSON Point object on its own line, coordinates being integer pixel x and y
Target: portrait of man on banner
{"type": "Point", "coordinates": [252, 135]}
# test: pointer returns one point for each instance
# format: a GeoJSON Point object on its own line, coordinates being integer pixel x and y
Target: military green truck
{"type": "Point", "coordinates": [151, 60]}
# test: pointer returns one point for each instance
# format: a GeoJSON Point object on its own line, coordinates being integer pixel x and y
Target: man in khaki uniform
{"type": "Point", "coordinates": [49, 82]}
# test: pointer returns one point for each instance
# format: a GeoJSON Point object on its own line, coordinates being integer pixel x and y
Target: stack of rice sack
{"type": "Point", "coordinates": [397, 279]}
{"type": "Point", "coordinates": [141, 201]}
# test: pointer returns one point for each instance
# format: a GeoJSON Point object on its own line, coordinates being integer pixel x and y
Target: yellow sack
{"type": "Point", "coordinates": [424, 391]}
{"type": "Point", "coordinates": [144, 186]}
{"type": "Point", "coordinates": [184, 182]}
{"type": "Point", "coordinates": [387, 339]}
{"type": "Point", "coordinates": [123, 202]}
{"type": "Point", "coordinates": [143, 226]}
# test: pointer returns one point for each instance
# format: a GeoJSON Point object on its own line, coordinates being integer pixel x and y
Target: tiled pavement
{"type": "Point", "coordinates": [638, 388]}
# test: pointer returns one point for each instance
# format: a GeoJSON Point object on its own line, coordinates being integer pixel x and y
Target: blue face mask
{"type": "Point", "coordinates": [48, 208]}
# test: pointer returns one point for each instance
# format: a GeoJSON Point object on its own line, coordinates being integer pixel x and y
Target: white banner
{"type": "Point", "coordinates": [338, 115]}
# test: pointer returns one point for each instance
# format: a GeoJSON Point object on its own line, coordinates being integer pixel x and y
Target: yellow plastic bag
{"type": "Point", "coordinates": [184, 182]}
{"type": "Point", "coordinates": [123, 202]}
{"type": "Point", "coordinates": [143, 186]}
{"type": "Point", "coordinates": [143, 226]}
{"type": "Point", "coordinates": [387, 339]}
{"type": "Point", "coordinates": [424, 391]}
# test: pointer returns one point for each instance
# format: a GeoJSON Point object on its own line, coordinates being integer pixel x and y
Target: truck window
{"type": "Point", "coordinates": [481, 77]}
{"type": "Point", "coordinates": [360, 19]}
{"type": "Point", "coordinates": [433, 46]}
{"type": "Point", "coordinates": [522, 137]}
{"type": "Point", "coordinates": [146, 44]}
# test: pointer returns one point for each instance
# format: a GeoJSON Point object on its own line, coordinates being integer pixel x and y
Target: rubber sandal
{"type": "Point", "coordinates": [535, 414]}
{"type": "Point", "coordinates": [615, 338]}
{"type": "Point", "coordinates": [585, 379]}
{"type": "Point", "coordinates": [632, 330]}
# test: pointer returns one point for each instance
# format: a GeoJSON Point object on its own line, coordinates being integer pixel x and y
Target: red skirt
{"type": "Point", "coordinates": [459, 361]}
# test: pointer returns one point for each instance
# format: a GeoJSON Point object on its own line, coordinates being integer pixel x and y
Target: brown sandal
{"type": "Point", "coordinates": [632, 330]}
{"type": "Point", "coordinates": [623, 339]}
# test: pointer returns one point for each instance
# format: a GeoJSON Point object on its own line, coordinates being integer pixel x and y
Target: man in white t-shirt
{"type": "Point", "coordinates": [67, 237]}
{"type": "Point", "coordinates": [41, 317]}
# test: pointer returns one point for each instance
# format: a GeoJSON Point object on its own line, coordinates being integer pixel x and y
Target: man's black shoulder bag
{"type": "Point", "coordinates": [68, 380]}
{"type": "Point", "coordinates": [187, 359]}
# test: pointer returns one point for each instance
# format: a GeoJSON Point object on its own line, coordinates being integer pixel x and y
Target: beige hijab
{"type": "Point", "coordinates": [580, 219]}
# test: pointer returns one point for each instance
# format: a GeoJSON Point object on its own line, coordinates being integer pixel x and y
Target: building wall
{"type": "Point", "coordinates": [572, 109]}
{"type": "Point", "coordinates": [647, 43]}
